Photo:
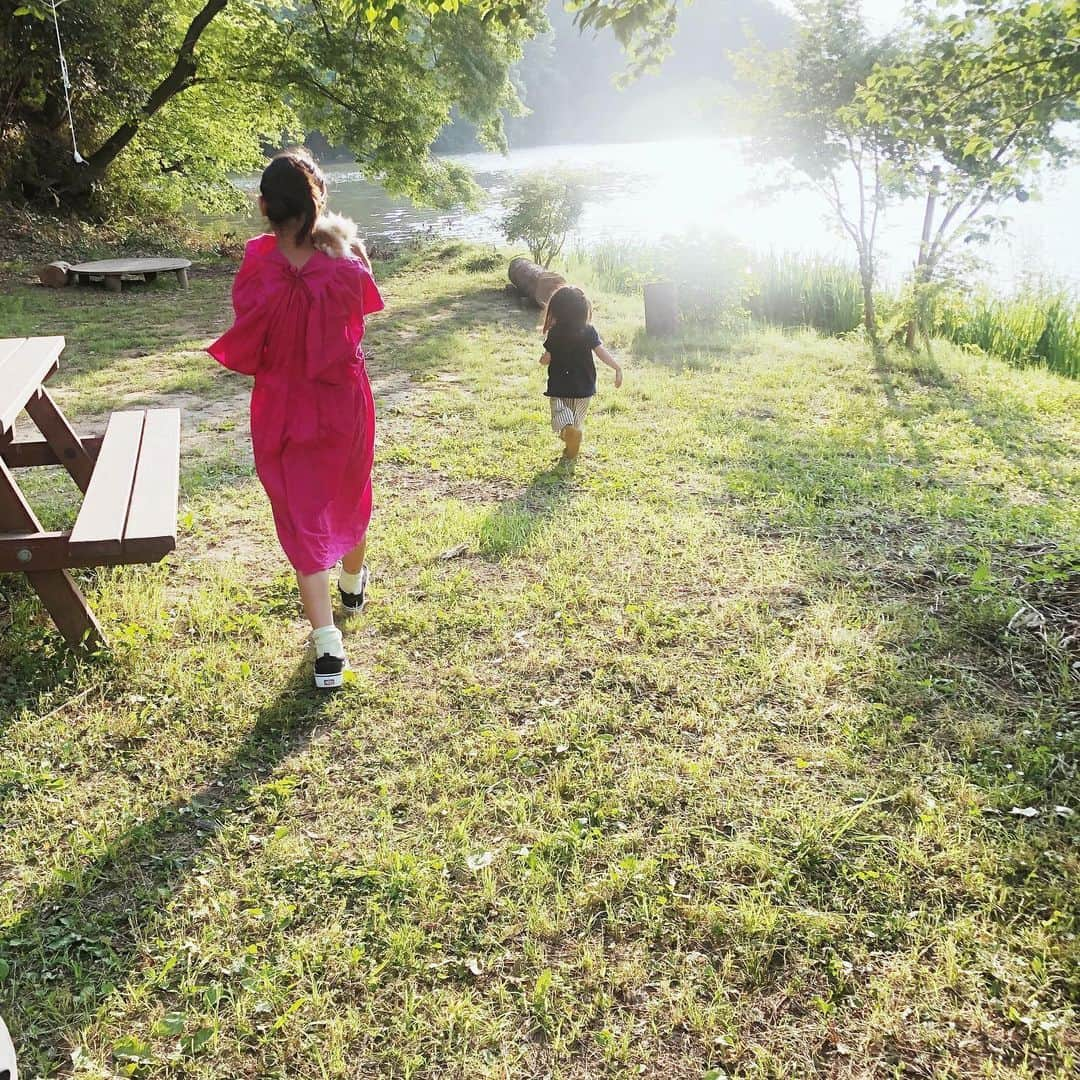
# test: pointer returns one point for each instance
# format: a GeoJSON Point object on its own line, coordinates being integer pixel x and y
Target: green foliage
{"type": "Point", "coordinates": [976, 102]}
{"type": "Point", "coordinates": [966, 109]}
{"type": "Point", "coordinates": [172, 97]}
{"type": "Point", "coordinates": [799, 290]}
{"type": "Point", "coordinates": [643, 27]}
{"type": "Point", "coordinates": [540, 210]}
{"type": "Point", "coordinates": [1033, 327]}
{"type": "Point", "coordinates": [213, 125]}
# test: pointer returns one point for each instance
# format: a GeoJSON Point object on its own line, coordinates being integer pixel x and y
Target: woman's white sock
{"type": "Point", "coordinates": [350, 583]}
{"type": "Point", "coordinates": [327, 641]}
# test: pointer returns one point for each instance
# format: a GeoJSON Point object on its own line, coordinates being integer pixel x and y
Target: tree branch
{"type": "Point", "coordinates": [177, 80]}
{"type": "Point", "coordinates": [1003, 73]}
{"type": "Point", "coordinates": [837, 204]}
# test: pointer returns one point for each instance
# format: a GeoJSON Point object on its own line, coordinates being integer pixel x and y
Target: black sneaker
{"type": "Point", "coordinates": [355, 601]}
{"type": "Point", "coordinates": [330, 671]}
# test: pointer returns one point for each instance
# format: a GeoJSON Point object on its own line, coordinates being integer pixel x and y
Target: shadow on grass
{"type": "Point", "coordinates": [885, 376]}
{"type": "Point", "coordinates": [475, 307]}
{"type": "Point", "coordinates": [101, 327]}
{"type": "Point", "coordinates": [1012, 428]}
{"type": "Point", "coordinates": [33, 659]}
{"type": "Point", "coordinates": [696, 346]}
{"type": "Point", "coordinates": [78, 940]}
{"type": "Point", "coordinates": [510, 528]}
{"type": "Point", "coordinates": [419, 338]}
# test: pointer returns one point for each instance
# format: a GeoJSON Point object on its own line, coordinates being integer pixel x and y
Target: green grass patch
{"type": "Point", "coordinates": [700, 758]}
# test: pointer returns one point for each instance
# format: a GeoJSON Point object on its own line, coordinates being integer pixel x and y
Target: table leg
{"type": "Point", "coordinates": [181, 276]}
{"type": "Point", "coordinates": [112, 283]}
{"type": "Point", "coordinates": [65, 444]}
{"type": "Point", "coordinates": [57, 589]}
{"type": "Point", "coordinates": [64, 601]}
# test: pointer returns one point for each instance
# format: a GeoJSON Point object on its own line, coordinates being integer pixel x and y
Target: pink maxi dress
{"type": "Point", "coordinates": [298, 331]}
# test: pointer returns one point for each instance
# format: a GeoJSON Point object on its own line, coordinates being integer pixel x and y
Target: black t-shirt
{"type": "Point", "coordinates": [572, 372]}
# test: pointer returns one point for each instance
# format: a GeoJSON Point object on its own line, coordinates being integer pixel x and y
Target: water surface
{"type": "Point", "coordinates": [639, 192]}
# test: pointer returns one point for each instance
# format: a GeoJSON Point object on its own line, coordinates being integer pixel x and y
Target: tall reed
{"type": "Point", "coordinates": [718, 280]}
{"type": "Point", "coordinates": [1034, 327]}
{"type": "Point", "coordinates": [798, 290]}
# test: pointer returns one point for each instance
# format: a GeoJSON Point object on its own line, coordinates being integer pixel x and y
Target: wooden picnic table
{"type": "Point", "coordinates": [112, 271]}
{"type": "Point", "coordinates": [129, 478]}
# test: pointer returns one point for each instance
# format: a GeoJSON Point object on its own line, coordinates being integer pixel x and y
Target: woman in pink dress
{"type": "Point", "coordinates": [301, 296]}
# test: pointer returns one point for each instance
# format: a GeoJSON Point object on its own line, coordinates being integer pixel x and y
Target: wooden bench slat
{"type": "Point", "coordinates": [22, 371]}
{"type": "Point", "coordinates": [8, 348]}
{"type": "Point", "coordinates": [157, 480]}
{"type": "Point", "coordinates": [105, 507]}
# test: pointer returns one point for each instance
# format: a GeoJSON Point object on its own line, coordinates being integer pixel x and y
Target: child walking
{"type": "Point", "coordinates": [300, 297]}
{"type": "Point", "coordinates": [569, 346]}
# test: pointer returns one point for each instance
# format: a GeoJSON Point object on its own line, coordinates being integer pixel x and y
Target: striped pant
{"type": "Point", "coordinates": [568, 410]}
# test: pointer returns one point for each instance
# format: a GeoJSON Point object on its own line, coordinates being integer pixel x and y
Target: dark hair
{"type": "Point", "coordinates": [569, 308]}
{"type": "Point", "coordinates": [293, 189]}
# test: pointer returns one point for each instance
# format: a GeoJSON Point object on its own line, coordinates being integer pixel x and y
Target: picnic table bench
{"type": "Point", "coordinates": [129, 478]}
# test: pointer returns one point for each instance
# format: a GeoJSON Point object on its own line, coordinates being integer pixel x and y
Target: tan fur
{"type": "Point", "coordinates": [335, 235]}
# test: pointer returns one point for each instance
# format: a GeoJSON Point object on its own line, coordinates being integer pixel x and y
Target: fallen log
{"type": "Point", "coordinates": [56, 275]}
{"type": "Point", "coordinates": [533, 281]}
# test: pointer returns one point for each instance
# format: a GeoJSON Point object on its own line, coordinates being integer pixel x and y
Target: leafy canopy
{"type": "Point", "coordinates": [978, 103]}
{"type": "Point", "coordinates": [171, 97]}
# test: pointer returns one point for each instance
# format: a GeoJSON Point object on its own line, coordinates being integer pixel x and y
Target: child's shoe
{"type": "Point", "coordinates": [330, 661]}
{"type": "Point", "coordinates": [572, 438]}
{"type": "Point", "coordinates": [353, 589]}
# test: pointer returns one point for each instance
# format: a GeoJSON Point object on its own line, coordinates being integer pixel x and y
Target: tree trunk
{"type": "Point", "coordinates": [179, 78]}
{"type": "Point", "coordinates": [661, 309]}
{"type": "Point", "coordinates": [921, 263]}
{"type": "Point", "coordinates": [866, 274]}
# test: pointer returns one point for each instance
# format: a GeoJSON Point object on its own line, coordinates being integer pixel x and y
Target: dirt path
{"type": "Point", "coordinates": [211, 425]}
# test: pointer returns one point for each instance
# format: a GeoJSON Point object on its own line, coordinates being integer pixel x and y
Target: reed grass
{"type": "Point", "coordinates": [720, 282]}
{"type": "Point", "coordinates": [1037, 326]}
{"type": "Point", "coordinates": [718, 278]}
{"type": "Point", "coordinates": [797, 290]}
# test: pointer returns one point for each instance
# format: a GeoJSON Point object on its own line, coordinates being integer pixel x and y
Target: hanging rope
{"type": "Point", "coordinates": [79, 159]}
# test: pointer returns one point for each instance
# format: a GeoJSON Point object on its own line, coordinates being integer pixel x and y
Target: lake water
{"type": "Point", "coordinates": [643, 191]}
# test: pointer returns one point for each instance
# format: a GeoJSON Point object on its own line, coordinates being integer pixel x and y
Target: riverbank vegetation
{"type": "Point", "coordinates": [742, 749]}
{"type": "Point", "coordinates": [965, 108]}
{"type": "Point", "coordinates": [723, 284]}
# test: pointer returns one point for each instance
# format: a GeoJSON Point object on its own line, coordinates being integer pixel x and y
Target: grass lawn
{"type": "Point", "coordinates": [698, 760]}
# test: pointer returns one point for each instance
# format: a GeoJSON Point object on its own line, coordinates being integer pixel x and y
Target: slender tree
{"type": "Point", "coordinates": [979, 102]}
{"type": "Point", "coordinates": [803, 112]}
